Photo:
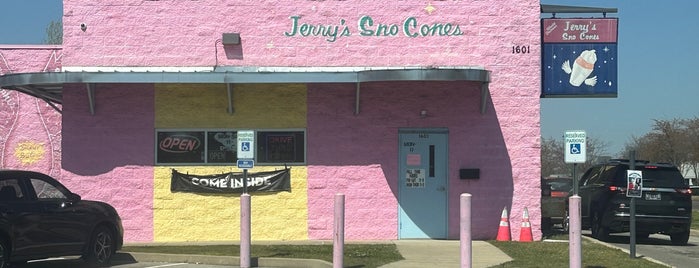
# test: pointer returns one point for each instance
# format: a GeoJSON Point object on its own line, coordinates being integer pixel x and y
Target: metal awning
{"type": "Point", "coordinates": [49, 86]}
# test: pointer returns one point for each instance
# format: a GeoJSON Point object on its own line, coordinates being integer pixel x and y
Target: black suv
{"type": "Point", "coordinates": [40, 218]}
{"type": "Point", "coordinates": [665, 205]}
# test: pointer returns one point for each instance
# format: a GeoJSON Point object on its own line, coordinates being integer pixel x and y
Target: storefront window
{"type": "Point", "coordinates": [218, 147]}
{"type": "Point", "coordinates": [280, 147]}
{"type": "Point", "coordinates": [180, 147]}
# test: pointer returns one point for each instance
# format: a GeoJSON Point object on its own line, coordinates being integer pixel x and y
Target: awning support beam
{"type": "Point", "coordinates": [91, 97]}
{"type": "Point", "coordinates": [356, 99]}
{"type": "Point", "coordinates": [485, 92]}
{"type": "Point", "coordinates": [229, 88]}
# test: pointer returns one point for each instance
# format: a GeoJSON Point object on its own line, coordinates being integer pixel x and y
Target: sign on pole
{"type": "Point", "coordinates": [579, 57]}
{"type": "Point", "coordinates": [246, 144]}
{"type": "Point", "coordinates": [635, 185]}
{"type": "Point", "coordinates": [575, 141]}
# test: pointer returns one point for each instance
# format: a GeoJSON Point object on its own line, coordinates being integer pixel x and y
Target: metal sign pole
{"type": "Point", "coordinates": [245, 181]}
{"type": "Point", "coordinates": [575, 180]}
{"type": "Point", "coordinates": [632, 219]}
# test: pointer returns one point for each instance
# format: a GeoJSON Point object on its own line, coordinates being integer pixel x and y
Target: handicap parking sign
{"type": "Point", "coordinates": [246, 144]}
{"type": "Point", "coordinates": [575, 141]}
{"type": "Point", "coordinates": [575, 148]}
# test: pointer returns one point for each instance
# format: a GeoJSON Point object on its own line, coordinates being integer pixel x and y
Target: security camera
{"type": "Point", "coordinates": [83, 26]}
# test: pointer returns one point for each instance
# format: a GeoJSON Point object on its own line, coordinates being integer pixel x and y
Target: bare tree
{"type": "Point", "coordinates": [553, 154]}
{"type": "Point", "coordinates": [667, 142]}
{"type": "Point", "coordinates": [692, 142]}
{"type": "Point", "coordinates": [54, 33]}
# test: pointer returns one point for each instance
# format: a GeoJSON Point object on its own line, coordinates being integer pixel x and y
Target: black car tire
{"type": "Point", "coordinates": [101, 247]}
{"type": "Point", "coordinates": [599, 231]}
{"type": "Point", "coordinates": [4, 254]}
{"type": "Point", "coordinates": [680, 239]}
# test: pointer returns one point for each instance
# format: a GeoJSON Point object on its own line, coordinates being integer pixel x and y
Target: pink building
{"type": "Point", "coordinates": [400, 105]}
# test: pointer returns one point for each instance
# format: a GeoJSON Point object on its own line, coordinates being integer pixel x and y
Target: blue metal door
{"type": "Point", "coordinates": [422, 172]}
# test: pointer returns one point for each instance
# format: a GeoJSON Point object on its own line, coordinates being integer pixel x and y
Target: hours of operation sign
{"type": "Point", "coordinates": [575, 146]}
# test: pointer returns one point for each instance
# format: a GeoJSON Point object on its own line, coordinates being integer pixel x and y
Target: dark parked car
{"type": "Point", "coordinates": [554, 199]}
{"type": "Point", "coordinates": [664, 206]}
{"type": "Point", "coordinates": [40, 218]}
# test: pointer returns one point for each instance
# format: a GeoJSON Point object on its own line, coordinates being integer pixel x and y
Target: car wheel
{"type": "Point", "coordinates": [4, 254]}
{"type": "Point", "coordinates": [680, 239]}
{"type": "Point", "coordinates": [101, 247]}
{"type": "Point", "coordinates": [566, 222]}
{"type": "Point", "coordinates": [599, 231]}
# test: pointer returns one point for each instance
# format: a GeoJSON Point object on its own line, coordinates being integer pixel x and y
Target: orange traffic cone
{"type": "Point", "coordinates": [525, 234]}
{"type": "Point", "coordinates": [504, 230]}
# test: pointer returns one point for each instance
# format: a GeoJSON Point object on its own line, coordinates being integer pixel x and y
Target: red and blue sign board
{"type": "Point", "coordinates": [579, 57]}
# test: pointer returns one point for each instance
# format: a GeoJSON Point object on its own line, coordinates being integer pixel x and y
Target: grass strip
{"type": "Point", "coordinates": [356, 255]}
{"type": "Point", "coordinates": [555, 254]}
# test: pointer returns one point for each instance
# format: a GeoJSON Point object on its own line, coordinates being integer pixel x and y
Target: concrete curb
{"type": "Point", "coordinates": [225, 260]}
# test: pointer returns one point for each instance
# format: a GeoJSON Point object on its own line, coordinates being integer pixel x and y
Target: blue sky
{"type": "Point", "coordinates": [658, 52]}
{"type": "Point", "coordinates": [25, 21]}
{"type": "Point", "coordinates": [658, 55]}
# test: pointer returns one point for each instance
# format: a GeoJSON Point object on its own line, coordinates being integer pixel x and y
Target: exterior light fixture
{"type": "Point", "coordinates": [231, 39]}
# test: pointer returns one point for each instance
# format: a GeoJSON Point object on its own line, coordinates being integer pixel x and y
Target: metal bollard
{"type": "Point", "coordinates": [465, 231]}
{"type": "Point", "coordinates": [574, 232]}
{"type": "Point", "coordinates": [339, 232]}
{"type": "Point", "coordinates": [245, 230]}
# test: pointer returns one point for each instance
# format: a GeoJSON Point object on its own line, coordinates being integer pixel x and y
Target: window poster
{"type": "Point", "coordinates": [415, 178]}
{"type": "Point", "coordinates": [221, 146]}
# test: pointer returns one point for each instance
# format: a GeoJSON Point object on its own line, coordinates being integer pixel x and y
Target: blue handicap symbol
{"type": "Point", "coordinates": [245, 146]}
{"type": "Point", "coordinates": [575, 148]}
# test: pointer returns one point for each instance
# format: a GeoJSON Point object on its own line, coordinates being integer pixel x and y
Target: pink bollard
{"type": "Point", "coordinates": [465, 231]}
{"type": "Point", "coordinates": [245, 230]}
{"type": "Point", "coordinates": [574, 232]}
{"type": "Point", "coordinates": [339, 231]}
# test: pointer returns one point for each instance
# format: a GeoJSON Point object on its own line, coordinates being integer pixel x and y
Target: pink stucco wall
{"type": "Point", "coordinates": [110, 155]}
{"type": "Point", "coordinates": [504, 142]}
{"type": "Point", "coordinates": [358, 154]}
{"type": "Point", "coordinates": [30, 130]}
{"type": "Point", "coordinates": [99, 157]}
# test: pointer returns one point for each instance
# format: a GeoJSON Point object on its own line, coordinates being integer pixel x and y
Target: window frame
{"type": "Point", "coordinates": [206, 149]}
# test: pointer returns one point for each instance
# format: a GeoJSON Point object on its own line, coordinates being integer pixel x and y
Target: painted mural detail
{"type": "Point", "coordinates": [29, 152]}
{"type": "Point", "coordinates": [8, 119]}
{"type": "Point", "coordinates": [582, 68]}
{"type": "Point", "coordinates": [30, 129]}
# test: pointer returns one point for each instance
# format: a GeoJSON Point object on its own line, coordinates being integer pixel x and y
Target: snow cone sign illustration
{"type": "Point", "coordinates": [579, 57]}
{"type": "Point", "coordinates": [582, 68]}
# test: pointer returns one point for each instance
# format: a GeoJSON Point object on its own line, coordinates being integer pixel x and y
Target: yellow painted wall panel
{"type": "Point", "coordinates": [216, 217]}
{"type": "Point", "coordinates": [206, 106]}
